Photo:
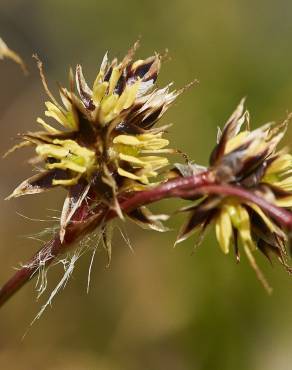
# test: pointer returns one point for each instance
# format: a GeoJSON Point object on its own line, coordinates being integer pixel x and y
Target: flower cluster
{"type": "Point", "coordinates": [102, 138]}
{"type": "Point", "coordinates": [247, 159]}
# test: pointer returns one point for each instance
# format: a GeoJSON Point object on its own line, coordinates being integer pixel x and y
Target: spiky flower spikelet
{"type": "Point", "coordinates": [248, 159]}
{"type": "Point", "coordinates": [102, 139]}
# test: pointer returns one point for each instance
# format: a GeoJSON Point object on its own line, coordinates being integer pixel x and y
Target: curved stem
{"type": "Point", "coordinates": [190, 186]}
{"type": "Point", "coordinates": [280, 215]}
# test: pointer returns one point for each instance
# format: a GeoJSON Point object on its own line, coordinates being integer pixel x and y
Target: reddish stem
{"type": "Point", "coordinates": [190, 186]}
{"type": "Point", "coordinates": [280, 215]}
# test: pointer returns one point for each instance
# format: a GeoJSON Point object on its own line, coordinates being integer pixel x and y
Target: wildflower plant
{"type": "Point", "coordinates": [102, 144]}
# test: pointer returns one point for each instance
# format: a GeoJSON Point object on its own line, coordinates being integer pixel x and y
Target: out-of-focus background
{"type": "Point", "coordinates": [159, 307]}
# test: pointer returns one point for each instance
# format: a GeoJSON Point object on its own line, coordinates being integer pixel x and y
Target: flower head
{"type": "Point", "coordinates": [101, 139]}
{"type": "Point", "coordinates": [247, 159]}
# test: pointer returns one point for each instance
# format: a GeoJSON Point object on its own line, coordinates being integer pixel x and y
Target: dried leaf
{"type": "Point", "coordinates": [5, 52]}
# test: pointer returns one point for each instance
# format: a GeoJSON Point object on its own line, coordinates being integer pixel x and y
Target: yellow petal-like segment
{"type": "Point", "coordinates": [235, 142]}
{"type": "Point", "coordinates": [131, 159]}
{"type": "Point", "coordinates": [116, 74]}
{"type": "Point", "coordinates": [280, 164]}
{"type": "Point", "coordinates": [131, 148]}
{"type": "Point", "coordinates": [47, 127]}
{"type": "Point", "coordinates": [99, 91]}
{"type": "Point", "coordinates": [69, 156]}
{"type": "Point", "coordinates": [66, 119]}
{"type": "Point", "coordinates": [132, 176]}
{"type": "Point", "coordinates": [128, 97]}
{"type": "Point", "coordinates": [127, 140]}
{"type": "Point", "coordinates": [240, 220]}
{"type": "Point", "coordinates": [150, 142]}
{"type": "Point", "coordinates": [223, 228]}
{"type": "Point", "coordinates": [285, 184]}
{"type": "Point", "coordinates": [285, 202]}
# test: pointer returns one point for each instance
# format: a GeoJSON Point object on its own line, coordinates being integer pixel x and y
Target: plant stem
{"type": "Point", "coordinates": [181, 187]}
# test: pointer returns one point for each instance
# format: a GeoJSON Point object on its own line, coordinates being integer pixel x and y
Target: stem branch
{"type": "Point", "coordinates": [199, 184]}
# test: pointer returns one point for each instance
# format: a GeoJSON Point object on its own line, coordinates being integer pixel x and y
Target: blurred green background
{"type": "Point", "coordinates": [159, 307]}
